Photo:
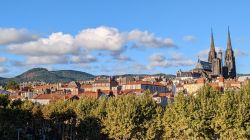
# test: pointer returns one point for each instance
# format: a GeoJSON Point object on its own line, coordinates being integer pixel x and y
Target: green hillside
{"type": "Point", "coordinates": [42, 74]}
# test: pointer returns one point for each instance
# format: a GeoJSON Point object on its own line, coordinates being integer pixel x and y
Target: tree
{"type": "Point", "coordinates": [12, 85]}
{"type": "Point", "coordinates": [190, 117]}
{"type": "Point", "coordinates": [128, 116]}
{"type": "Point", "coordinates": [202, 110]}
{"type": "Point", "coordinates": [176, 118]}
{"type": "Point", "coordinates": [59, 114]}
{"type": "Point", "coordinates": [4, 100]}
{"type": "Point", "coordinates": [232, 120]}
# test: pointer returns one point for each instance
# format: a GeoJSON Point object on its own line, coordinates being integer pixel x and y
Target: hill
{"type": "Point", "coordinates": [42, 74]}
{"type": "Point", "coordinates": [1, 78]}
{"type": "Point", "coordinates": [239, 74]}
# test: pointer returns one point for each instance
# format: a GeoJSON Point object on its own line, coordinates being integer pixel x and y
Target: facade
{"type": "Point", "coordinates": [187, 75]}
{"type": "Point", "coordinates": [213, 67]}
{"type": "Point", "coordinates": [144, 85]}
{"type": "Point", "coordinates": [104, 84]}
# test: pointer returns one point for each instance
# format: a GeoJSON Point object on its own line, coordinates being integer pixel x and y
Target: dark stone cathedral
{"type": "Point", "coordinates": [214, 66]}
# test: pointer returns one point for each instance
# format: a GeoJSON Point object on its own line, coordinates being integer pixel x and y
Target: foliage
{"type": "Point", "coordinates": [12, 85]}
{"type": "Point", "coordinates": [209, 114]}
{"type": "Point", "coordinates": [4, 101]}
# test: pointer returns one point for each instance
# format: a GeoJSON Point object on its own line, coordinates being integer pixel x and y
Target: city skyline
{"type": "Point", "coordinates": [119, 37]}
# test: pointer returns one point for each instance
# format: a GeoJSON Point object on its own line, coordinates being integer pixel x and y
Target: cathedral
{"type": "Point", "coordinates": [214, 66]}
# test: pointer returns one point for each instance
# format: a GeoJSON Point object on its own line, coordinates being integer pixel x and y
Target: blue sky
{"type": "Point", "coordinates": [118, 37]}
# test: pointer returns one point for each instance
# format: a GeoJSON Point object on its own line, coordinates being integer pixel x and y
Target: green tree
{"type": "Point", "coordinates": [4, 100]}
{"type": "Point", "coordinates": [12, 85]}
{"type": "Point", "coordinates": [59, 114]}
{"type": "Point", "coordinates": [232, 120]}
{"type": "Point", "coordinates": [128, 116]}
{"type": "Point", "coordinates": [176, 118]}
{"type": "Point", "coordinates": [202, 110]}
{"type": "Point", "coordinates": [88, 117]}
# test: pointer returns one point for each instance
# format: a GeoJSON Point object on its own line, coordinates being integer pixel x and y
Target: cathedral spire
{"type": "Point", "coordinates": [229, 46]}
{"type": "Point", "coordinates": [230, 68]}
{"type": "Point", "coordinates": [212, 48]}
{"type": "Point", "coordinates": [212, 53]}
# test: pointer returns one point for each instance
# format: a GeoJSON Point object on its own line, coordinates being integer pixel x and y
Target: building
{"type": "Point", "coordinates": [214, 66]}
{"type": "Point", "coordinates": [44, 99]}
{"type": "Point", "coordinates": [104, 84]}
{"type": "Point", "coordinates": [192, 88]}
{"type": "Point", "coordinates": [187, 75]}
{"type": "Point", "coordinates": [145, 85]}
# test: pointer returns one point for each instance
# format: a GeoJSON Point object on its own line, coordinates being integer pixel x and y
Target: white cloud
{"type": "Point", "coordinates": [176, 60]}
{"type": "Point", "coordinates": [42, 60]}
{"type": "Point", "coordinates": [55, 44]}
{"type": "Point", "coordinates": [239, 52]}
{"type": "Point", "coordinates": [140, 68]}
{"type": "Point", "coordinates": [157, 57]}
{"type": "Point", "coordinates": [83, 59]}
{"type": "Point", "coordinates": [135, 68]}
{"type": "Point", "coordinates": [60, 48]}
{"type": "Point", "coordinates": [147, 39]}
{"type": "Point", "coordinates": [63, 59]}
{"type": "Point", "coordinates": [3, 70]}
{"type": "Point", "coordinates": [121, 57]}
{"type": "Point", "coordinates": [12, 35]}
{"type": "Point", "coordinates": [203, 54]}
{"type": "Point", "coordinates": [101, 38]}
{"type": "Point", "coordinates": [189, 38]}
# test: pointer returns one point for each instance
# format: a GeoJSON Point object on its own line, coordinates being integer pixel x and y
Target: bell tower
{"type": "Point", "coordinates": [212, 53]}
{"type": "Point", "coordinates": [230, 59]}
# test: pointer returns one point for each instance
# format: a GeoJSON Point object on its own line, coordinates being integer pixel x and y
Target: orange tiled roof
{"type": "Point", "coordinates": [214, 84]}
{"type": "Point", "coordinates": [168, 94]}
{"type": "Point", "coordinates": [45, 86]}
{"type": "Point", "coordinates": [13, 97]}
{"type": "Point", "coordinates": [50, 96]}
{"type": "Point", "coordinates": [232, 82]}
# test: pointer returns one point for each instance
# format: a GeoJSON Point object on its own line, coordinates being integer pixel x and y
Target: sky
{"type": "Point", "coordinates": [119, 37]}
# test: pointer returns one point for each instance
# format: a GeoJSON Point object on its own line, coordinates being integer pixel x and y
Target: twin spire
{"type": "Point", "coordinates": [212, 46]}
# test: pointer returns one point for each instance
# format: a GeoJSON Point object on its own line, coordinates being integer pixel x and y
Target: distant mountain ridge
{"type": "Point", "coordinates": [1, 78]}
{"type": "Point", "coordinates": [44, 75]}
{"type": "Point", "coordinates": [243, 74]}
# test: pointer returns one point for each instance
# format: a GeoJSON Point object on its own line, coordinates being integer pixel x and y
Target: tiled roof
{"type": "Point", "coordinates": [168, 94]}
{"type": "Point", "coordinates": [13, 97]}
{"type": "Point", "coordinates": [50, 96]}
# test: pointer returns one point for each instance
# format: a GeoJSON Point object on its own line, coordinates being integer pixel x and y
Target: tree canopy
{"type": "Point", "coordinates": [209, 114]}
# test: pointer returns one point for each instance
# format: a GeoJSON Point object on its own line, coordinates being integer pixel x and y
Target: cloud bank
{"type": "Point", "coordinates": [176, 60]}
{"type": "Point", "coordinates": [12, 35]}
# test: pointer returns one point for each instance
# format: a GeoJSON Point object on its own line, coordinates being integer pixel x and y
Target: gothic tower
{"type": "Point", "coordinates": [230, 69]}
{"type": "Point", "coordinates": [212, 53]}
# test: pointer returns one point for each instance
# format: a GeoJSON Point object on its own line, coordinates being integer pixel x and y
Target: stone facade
{"type": "Point", "coordinates": [213, 67]}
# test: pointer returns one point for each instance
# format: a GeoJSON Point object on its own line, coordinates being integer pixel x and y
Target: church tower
{"type": "Point", "coordinates": [230, 69]}
{"type": "Point", "coordinates": [212, 53]}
